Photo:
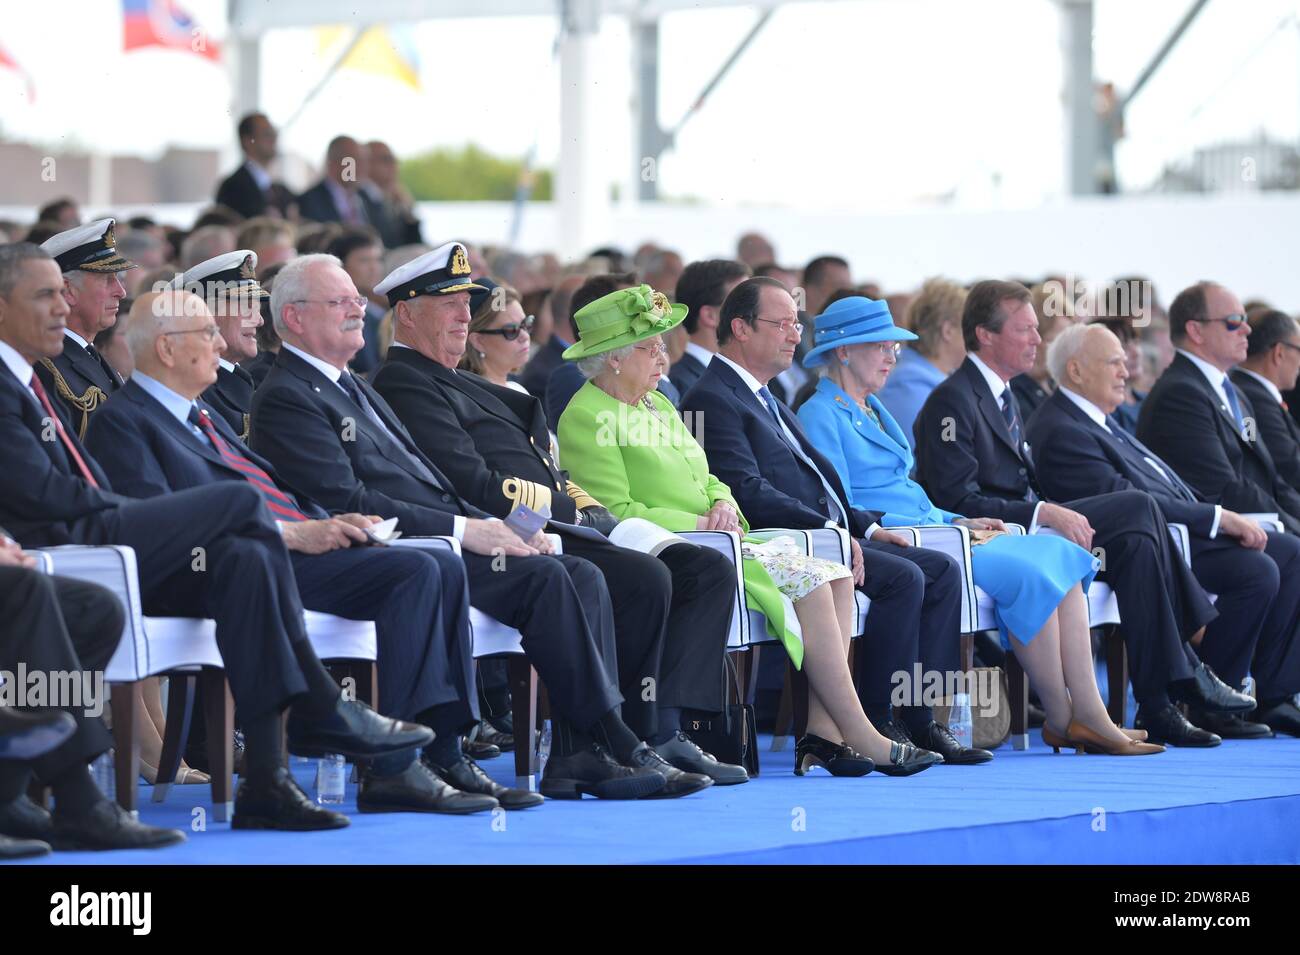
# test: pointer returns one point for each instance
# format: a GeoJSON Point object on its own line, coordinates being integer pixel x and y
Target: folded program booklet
{"type": "Point", "coordinates": [641, 535]}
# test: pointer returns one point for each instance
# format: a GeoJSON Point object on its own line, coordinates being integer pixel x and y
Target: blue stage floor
{"type": "Point", "coordinates": [1239, 803]}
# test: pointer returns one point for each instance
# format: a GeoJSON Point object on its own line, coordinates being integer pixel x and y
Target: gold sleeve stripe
{"type": "Point", "coordinates": [581, 498]}
{"type": "Point", "coordinates": [531, 495]}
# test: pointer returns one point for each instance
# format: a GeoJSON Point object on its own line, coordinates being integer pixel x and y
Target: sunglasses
{"type": "Point", "coordinates": [1230, 322]}
{"type": "Point", "coordinates": [511, 332]}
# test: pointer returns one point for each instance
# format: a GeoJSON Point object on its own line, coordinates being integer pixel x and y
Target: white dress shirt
{"type": "Point", "coordinates": [22, 371]}
{"type": "Point", "coordinates": [1214, 376]}
{"type": "Point", "coordinates": [76, 338]}
{"type": "Point", "coordinates": [699, 353]}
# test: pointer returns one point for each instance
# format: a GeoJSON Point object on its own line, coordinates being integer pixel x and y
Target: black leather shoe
{"type": "Point", "coordinates": [593, 772]}
{"type": "Point", "coordinates": [26, 735]}
{"type": "Point", "coordinates": [1282, 717]}
{"type": "Point", "coordinates": [1207, 693]}
{"type": "Point", "coordinates": [682, 752]}
{"type": "Point", "coordinates": [478, 748]}
{"type": "Point", "coordinates": [278, 802]}
{"type": "Point", "coordinates": [895, 731]}
{"type": "Point", "coordinates": [838, 759]}
{"type": "Point", "coordinates": [418, 789]}
{"type": "Point", "coordinates": [939, 739]}
{"type": "Point", "coordinates": [468, 777]}
{"type": "Point", "coordinates": [907, 760]}
{"type": "Point", "coordinates": [354, 730]}
{"type": "Point", "coordinates": [678, 782]}
{"type": "Point", "coordinates": [1168, 725]}
{"type": "Point", "coordinates": [20, 818]}
{"type": "Point", "coordinates": [497, 737]}
{"type": "Point", "coordinates": [1230, 725]}
{"type": "Point", "coordinates": [106, 825]}
{"type": "Point", "coordinates": [22, 848]}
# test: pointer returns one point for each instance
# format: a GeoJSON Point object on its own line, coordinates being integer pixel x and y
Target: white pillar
{"type": "Point", "coordinates": [1082, 126]}
{"type": "Point", "coordinates": [581, 191]}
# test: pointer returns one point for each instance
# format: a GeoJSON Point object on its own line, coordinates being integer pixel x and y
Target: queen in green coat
{"type": "Point", "coordinates": [623, 442]}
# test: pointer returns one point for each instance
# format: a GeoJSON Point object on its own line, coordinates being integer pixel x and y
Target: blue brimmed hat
{"type": "Point", "coordinates": [850, 321]}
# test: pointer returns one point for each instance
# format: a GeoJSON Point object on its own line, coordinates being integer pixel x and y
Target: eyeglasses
{"type": "Point", "coordinates": [786, 326]}
{"type": "Point", "coordinates": [888, 348]}
{"type": "Point", "coordinates": [1230, 322]}
{"type": "Point", "coordinates": [511, 332]}
{"type": "Point", "coordinates": [334, 304]}
{"type": "Point", "coordinates": [654, 350]}
{"type": "Point", "coordinates": [209, 332]}
{"type": "Point", "coordinates": [1289, 345]}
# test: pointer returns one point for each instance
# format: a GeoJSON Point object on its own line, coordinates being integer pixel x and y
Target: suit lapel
{"type": "Point", "coordinates": [988, 406]}
{"type": "Point", "coordinates": [86, 366]}
{"type": "Point", "coordinates": [164, 419]}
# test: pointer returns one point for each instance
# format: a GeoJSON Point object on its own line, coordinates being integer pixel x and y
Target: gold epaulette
{"type": "Point", "coordinates": [581, 498]}
{"type": "Point", "coordinates": [85, 403]}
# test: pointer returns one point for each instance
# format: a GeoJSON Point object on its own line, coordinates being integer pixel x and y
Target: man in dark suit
{"type": "Point", "coordinates": [1196, 418]}
{"type": "Point", "coordinates": [250, 190]}
{"type": "Point", "coordinates": [79, 379]}
{"type": "Point", "coordinates": [58, 625]}
{"type": "Point", "coordinates": [1079, 447]}
{"type": "Point", "coordinates": [332, 438]}
{"type": "Point", "coordinates": [156, 438]}
{"type": "Point", "coordinates": [757, 447]}
{"type": "Point", "coordinates": [1201, 423]}
{"type": "Point", "coordinates": [338, 197]}
{"type": "Point", "coordinates": [671, 612]}
{"type": "Point", "coordinates": [1271, 367]}
{"type": "Point", "coordinates": [210, 551]}
{"type": "Point", "coordinates": [702, 288]}
{"type": "Point", "coordinates": [972, 458]}
{"type": "Point", "coordinates": [551, 355]}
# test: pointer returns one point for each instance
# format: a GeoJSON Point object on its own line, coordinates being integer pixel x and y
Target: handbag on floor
{"type": "Point", "coordinates": [732, 736]}
{"type": "Point", "coordinates": [991, 717]}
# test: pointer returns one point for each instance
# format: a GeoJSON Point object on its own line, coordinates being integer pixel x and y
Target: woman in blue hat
{"type": "Point", "coordinates": [1037, 583]}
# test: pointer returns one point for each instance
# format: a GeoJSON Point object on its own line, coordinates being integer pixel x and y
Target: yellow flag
{"type": "Point", "coordinates": [382, 51]}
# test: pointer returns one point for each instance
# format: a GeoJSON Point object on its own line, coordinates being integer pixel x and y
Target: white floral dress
{"type": "Point", "coordinates": [795, 573]}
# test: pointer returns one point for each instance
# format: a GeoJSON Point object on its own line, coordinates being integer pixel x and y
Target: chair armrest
{"type": "Point", "coordinates": [1182, 541]}
{"type": "Point", "coordinates": [113, 567]}
{"type": "Point", "coordinates": [953, 540]}
{"type": "Point", "coordinates": [728, 544]}
{"type": "Point", "coordinates": [1269, 521]}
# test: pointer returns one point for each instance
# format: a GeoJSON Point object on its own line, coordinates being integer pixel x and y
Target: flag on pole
{"type": "Point", "coordinates": [7, 62]}
{"type": "Point", "coordinates": [164, 23]}
{"type": "Point", "coordinates": [382, 51]}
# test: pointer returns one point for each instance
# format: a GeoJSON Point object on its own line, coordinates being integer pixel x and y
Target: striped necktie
{"type": "Point", "coordinates": [282, 505]}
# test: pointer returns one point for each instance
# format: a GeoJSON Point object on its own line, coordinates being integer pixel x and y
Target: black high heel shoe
{"type": "Point", "coordinates": [906, 759]}
{"type": "Point", "coordinates": [839, 759]}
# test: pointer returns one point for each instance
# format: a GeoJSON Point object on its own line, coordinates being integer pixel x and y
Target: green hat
{"type": "Point", "coordinates": [622, 318]}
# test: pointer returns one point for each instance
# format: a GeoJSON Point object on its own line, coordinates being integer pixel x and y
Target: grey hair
{"type": "Point", "coordinates": [593, 365]}
{"type": "Point", "coordinates": [206, 243]}
{"type": "Point", "coordinates": [291, 284]}
{"type": "Point", "coordinates": [12, 258]}
{"type": "Point", "coordinates": [1066, 345]}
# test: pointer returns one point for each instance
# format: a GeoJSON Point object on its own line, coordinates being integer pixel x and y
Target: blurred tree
{"type": "Point", "coordinates": [469, 174]}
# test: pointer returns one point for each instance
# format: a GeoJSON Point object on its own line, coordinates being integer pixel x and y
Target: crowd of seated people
{"type": "Point", "coordinates": [293, 369]}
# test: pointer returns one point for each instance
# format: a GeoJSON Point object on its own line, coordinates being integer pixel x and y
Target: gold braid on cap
{"type": "Point", "coordinates": [528, 493]}
{"type": "Point", "coordinates": [86, 403]}
{"type": "Point", "coordinates": [581, 498]}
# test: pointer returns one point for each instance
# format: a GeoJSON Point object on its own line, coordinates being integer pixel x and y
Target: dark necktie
{"type": "Point", "coordinates": [833, 507]}
{"type": "Point", "coordinates": [769, 402]}
{"type": "Point", "coordinates": [1164, 470]}
{"type": "Point", "coordinates": [73, 454]}
{"type": "Point", "coordinates": [1234, 404]}
{"type": "Point", "coordinates": [1012, 417]}
{"type": "Point", "coordinates": [282, 505]}
{"type": "Point", "coordinates": [354, 391]}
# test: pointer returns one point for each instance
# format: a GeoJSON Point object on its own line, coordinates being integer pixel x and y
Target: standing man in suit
{"type": "Point", "coordinates": [401, 224]}
{"type": "Point", "coordinates": [702, 288]}
{"type": "Point", "coordinates": [671, 612]}
{"type": "Point", "coordinates": [1197, 419]}
{"type": "Point", "coordinates": [338, 197]}
{"type": "Point", "coordinates": [1079, 447]}
{"type": "Point", "coordinates": [79, 379]}
{"type": "Point", "coordinates": [551, 355]}
{"type": "Point", "coordinates": [1271, 367]}
{"type": "Point", "coordinates": [210, 551]}
{"type": "Point", "coordinates": [333, 438]}
{"type": "Point", "coordinates": [250, 190]}
{"type": "Point", "coordinates": [757, 447]}
{"type": "Point", "coordinates": [52, 625]}
{"type": "Point", "coordinates": [155, 437]}
{"type": "Point", "coordinates": [972, 458]}
{"type": "Point", "coordinates": [238, 317]}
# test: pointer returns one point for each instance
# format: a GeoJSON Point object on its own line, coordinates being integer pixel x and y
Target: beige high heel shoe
{"type": "Point", "coordinates": [1094, 742]}
{"type": "Point", "coordinates": [184, 775]}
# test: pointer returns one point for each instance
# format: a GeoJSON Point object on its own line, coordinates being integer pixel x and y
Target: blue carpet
{"type": "Point", "coordinates": [1234, 804]}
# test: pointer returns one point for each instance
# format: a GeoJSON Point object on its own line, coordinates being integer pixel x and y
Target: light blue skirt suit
{"type": "Point", "coordinates": [1025, 576]}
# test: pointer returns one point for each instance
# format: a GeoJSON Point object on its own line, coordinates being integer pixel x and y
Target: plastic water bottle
{"type": "Point", "coordinates": [1248, 686]}
{"type": "Point", "coordinates": [330, 774]}
{"type": "Point", "coordinates": [959, 719]}
{"type": "Point", "coordinates": [543, 747]}
{"type": "Point", "coordinates": [101, 770]}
